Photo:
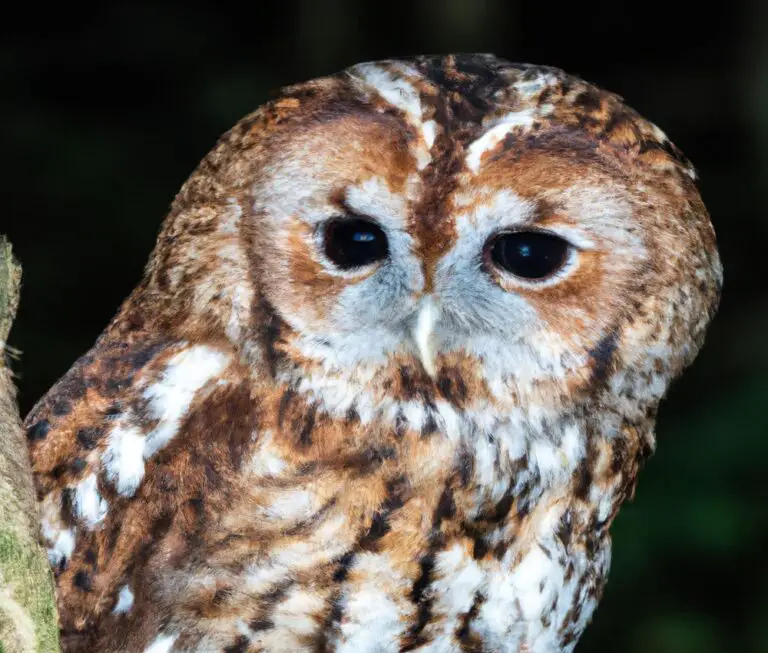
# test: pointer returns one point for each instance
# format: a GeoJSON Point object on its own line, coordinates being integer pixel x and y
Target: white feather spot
{"type": "Point", "coordinates": [450, 420]}
{"type": "Point", "coordinates": [297, 613]}
{"type": "Point", "coordinates": [89, 505]}
{"type": "Point", "coordinates": [429, 130]}
{"type": "Point", "coordinates": [170, 397]}
{"type": "Point", "coordinates": [534, 568]}
{"type": "Point", "coordinates": [124, 459]}
{"type": "Point", "coordinates": [414, 414]}
{"type": "Point", "coordinates": [296, 504]}
{"type": "Point", "coordinates": [63, 546]}
{"type": "Point", "coordinates": [572, 445]}
{"type": "Point", "coordinates": [373, 621]}
{"type": "Point", "coordinates": [266, 461]}
{"type": "Point", "coordinates": [545, 456]}
{"type": "Point", "coordinates": [459, 578]}
{"type": "Point", "coordinates": [161, 644]}
{"type": "Point", "coordinates": [124, 600]}
{"type": "Point", "coordinates": [169, 400]}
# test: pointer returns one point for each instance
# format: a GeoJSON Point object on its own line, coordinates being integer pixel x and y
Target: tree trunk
{"type": "Point", "coordinates": [28, 620]}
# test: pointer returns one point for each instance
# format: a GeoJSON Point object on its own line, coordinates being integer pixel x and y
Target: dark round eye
{"type": "Point", "coordinates": [354, 242]}
{"type": "Point", "coordinates": [529, 254]}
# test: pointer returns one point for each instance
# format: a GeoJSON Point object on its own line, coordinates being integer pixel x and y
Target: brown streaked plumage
{"type": "Point", "coordinates": [271, 449]}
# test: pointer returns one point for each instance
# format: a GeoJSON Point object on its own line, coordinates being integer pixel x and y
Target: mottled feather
{"type": "Point", "coordinates": [265, 452]}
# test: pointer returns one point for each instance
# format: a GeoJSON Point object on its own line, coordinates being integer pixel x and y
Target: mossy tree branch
{"type": "Point", "coordinates": [28, 620]}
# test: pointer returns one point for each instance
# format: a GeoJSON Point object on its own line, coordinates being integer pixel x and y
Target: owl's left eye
{"type": "Point", "coordinates": [530, 255]}
{"type": "Point", "coordinates": [354, 242]}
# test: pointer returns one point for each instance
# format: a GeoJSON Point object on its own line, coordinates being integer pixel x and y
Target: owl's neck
{"type": "Point", "coordinates": [584, 452]}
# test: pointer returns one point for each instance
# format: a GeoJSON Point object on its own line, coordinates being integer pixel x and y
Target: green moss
{"type": "Point", "coordinates": [25, 569]}
{"type": "Point", "coordinates": [10, 278]}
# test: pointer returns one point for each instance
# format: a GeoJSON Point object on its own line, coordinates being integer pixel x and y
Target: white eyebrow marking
{"type": "Point", "coordinates": [395, 90]}
{"type": "Point", "coordinates": [374, 198]}
{"type": "Point", "coordinates": [400, 93]}
{"type": "Point", "coordinates": [522, 120]}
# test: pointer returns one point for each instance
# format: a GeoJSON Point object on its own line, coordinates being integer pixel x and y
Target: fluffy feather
{"type": "Point", "coordinates": [264, 452]}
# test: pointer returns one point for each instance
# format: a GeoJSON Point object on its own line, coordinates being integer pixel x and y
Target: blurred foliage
{"type": "Point", "coordinates": [107, 108]}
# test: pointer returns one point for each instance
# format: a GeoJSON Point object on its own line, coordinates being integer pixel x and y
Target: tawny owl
{"type": "Point", "coordinates": [390, 373]}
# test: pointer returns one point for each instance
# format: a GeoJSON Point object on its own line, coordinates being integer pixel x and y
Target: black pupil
{"type": "Point", "coordinates": [529, 254]}
{"type": "Point", "coordinates": [354, 242]}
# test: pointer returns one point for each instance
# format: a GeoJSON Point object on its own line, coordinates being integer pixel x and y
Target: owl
{"type": "Point", "coordinates": [392, 368]}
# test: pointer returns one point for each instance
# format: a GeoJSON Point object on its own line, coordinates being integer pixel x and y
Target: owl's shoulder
{"type": "Point", "coordinates": [122, 443]}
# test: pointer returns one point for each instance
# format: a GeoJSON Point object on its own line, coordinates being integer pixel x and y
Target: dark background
{"type": "Point", "coordinates": [106, 110]}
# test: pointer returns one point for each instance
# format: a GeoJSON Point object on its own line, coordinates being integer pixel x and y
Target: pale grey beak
{"type": "Point", "coordinates": [424, 333]}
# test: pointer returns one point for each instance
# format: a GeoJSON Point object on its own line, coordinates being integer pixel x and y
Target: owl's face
{"type": "Point", "coordinates": [519, 257]}
{"type": "Point", "coordinates": [404, 230]}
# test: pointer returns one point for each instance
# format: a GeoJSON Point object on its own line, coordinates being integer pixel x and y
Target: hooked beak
{"type": "Point", "coordinates": [424, 333]}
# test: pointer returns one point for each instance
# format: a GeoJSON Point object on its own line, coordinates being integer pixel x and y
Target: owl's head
{"type": "Point", "coordinates": [454, 228]}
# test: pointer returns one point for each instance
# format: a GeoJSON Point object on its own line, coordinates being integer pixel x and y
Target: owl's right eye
{"type": "Point", "coordinates": [354, 242]}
